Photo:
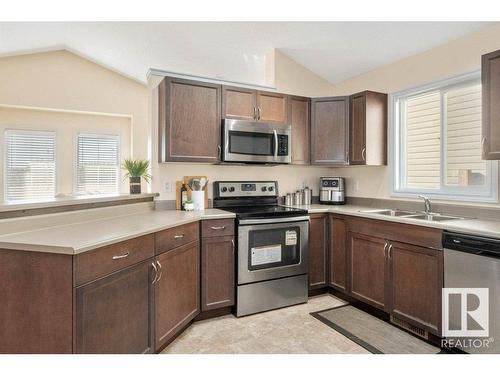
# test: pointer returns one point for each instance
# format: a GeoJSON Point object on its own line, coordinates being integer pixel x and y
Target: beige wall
{"type": "Point", "coordinates": [456, 57]}
{"type": "Point", "coordinates": [63, 81]}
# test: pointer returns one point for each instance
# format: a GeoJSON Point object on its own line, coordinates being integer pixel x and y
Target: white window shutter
{"type": "Point", "coordinates": [30, 165]}
{"type": "Point", "coordinates": [97, 164]}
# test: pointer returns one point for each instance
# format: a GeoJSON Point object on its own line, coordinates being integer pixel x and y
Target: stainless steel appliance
{"type": "Point", "coordinates": [255, 142]}
{"type": "Point", "coordinates": [272, 243]}
{"type": "Point", "coordinates": [331, 190]}
{"type": "Point", "coordinates": [474, 262]}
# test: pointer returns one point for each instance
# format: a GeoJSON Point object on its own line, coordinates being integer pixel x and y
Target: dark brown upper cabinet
{"type": "Point", "coordinates": [490, 77]}
{"type": "Point", "coordinates": [330, 131]}
{"type": "Point", "coordinates": [300, 119]}
{"type": "Point", "coordinates": [252, 105]}
{"type": "Point", "coordinates": [189, 121]}
{"type": "Point", "coordinates": [239, 103]}
{"type": "Point", "coordinates": [368, 129]}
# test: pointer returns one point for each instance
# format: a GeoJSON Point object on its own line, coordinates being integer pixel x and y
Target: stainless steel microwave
{"type": "Point", "coordinates": [256, 142]}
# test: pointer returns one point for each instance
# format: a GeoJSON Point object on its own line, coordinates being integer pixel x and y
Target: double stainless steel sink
{"type": "Point", "coordinates": [431, 216]}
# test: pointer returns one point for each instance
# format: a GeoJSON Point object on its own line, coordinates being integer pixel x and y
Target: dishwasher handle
{"type": "Point", "coordinates": [472, 244]}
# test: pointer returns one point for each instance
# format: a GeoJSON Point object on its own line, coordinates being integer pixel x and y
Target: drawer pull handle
{"type": "Point", "coordinates": [178, 236]}
{"type": "Point", "coordinates": [116, 257]}
{"type": "Point", "coordinates": [219, 227]}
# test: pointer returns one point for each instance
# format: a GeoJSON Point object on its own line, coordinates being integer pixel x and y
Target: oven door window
{"type": "Point", "coordinates": [250, 143]}
{"type": "Point", "coordinates": [270, 248]}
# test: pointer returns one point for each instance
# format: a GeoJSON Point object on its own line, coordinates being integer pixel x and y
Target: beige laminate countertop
{"type": "Point", "coordinates": [83, 236]}
{"type": "Point", "coordinates": [478, 227]}
{"type": "Point", "coordinates": [79, 237]}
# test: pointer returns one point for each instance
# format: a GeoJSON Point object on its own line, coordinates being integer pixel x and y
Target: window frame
{"type": "Point", "coordinates": [5, 158]}
{"type": "Point", "coordinates": [75, 163]}
{"type": "Point", "coordinates": [397, 156]}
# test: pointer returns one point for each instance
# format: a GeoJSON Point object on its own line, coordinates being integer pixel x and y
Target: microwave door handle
{"type": "Point", "coordinates": [275, 132]}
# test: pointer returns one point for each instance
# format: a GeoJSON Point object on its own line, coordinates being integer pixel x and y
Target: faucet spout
{"type": "Point", "coordinates": [427, 203]}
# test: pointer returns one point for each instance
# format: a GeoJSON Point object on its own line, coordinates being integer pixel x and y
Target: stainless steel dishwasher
{"type": "Point", "coordinates": [474, 262]}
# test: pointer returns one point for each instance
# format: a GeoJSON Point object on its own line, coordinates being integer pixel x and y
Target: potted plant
{"type": "Point", "coordinates": [136, 169]}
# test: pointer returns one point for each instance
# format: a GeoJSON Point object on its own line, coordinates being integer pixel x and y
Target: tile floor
{"type": "Point", "coordinates": [287, 330]}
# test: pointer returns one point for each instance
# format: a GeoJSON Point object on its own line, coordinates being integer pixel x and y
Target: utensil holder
{"type": "Point", "coordinates": [198, 198]}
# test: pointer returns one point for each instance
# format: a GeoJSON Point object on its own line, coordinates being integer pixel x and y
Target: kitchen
{"type": "Point", "coordinates": [249, 206]}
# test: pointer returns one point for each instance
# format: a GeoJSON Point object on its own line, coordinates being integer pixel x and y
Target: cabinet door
{"type": "Point", "coordinates": [177, 292]}
{"type": "Point", "coordinates": [329, 131]}
{"type": "Point", "coordinates": [357, 137]}
{"type": "Point", "coordinates": [490, 77]}
{"type": "Point", "coordinates": [338, 256]}
{"type": "Point", "coordinates": [217, 272]}
{"type": "Point", "coordinates": [239, 103]}
{"type": "Point", "coordinates": [368, 269]}
{"type": "Point", "coordinates": [272, 107]}
{"type": "Point", "coordinates": [114, 314]}
{"type": "Point", "coordinates": [189, 120]}
{"type": "Point", "coordinates": [318, 244]}
{"type": "Point", "coordinates": [416, 284]}
{"type": "Point", "coordinates": [301, 128]}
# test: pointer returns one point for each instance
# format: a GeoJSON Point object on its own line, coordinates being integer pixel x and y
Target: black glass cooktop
{"type": "Point", "coordinates": [256, 212]}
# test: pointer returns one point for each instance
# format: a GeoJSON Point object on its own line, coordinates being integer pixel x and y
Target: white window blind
{"type": "Point", "coordinates": [30, 165]}
{"type": "Point", "coordinates": [438, 142]}
{"type": "Point", "coordinates": [97, 164]}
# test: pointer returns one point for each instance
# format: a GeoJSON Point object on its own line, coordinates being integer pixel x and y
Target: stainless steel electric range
{"type": "Point", "coordinates": [272, 243]}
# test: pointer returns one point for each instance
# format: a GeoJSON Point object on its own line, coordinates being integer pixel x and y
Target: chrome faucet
{"type": "Point", "coordinates": [427, 204]}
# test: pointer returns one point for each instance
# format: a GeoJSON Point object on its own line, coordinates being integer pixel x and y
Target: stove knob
{"type": "Point", "coordinates": [231, 189]}
{"type": "Point", "coordinates": [264, 188]}
{"type": "Point", "coordinates": [223, 189]}
{"type": "Point", "coordinates": [271, 188]}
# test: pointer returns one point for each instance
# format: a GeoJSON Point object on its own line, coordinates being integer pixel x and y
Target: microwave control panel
{"type": "Point", "coordinates": [282, 145]}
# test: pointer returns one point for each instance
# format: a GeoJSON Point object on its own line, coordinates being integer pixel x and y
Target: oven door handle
{"type": "Point", "coordinates": [275, 220]}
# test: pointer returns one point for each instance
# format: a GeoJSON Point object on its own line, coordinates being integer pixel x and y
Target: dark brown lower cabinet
{"type": "Point", "coordinates": [416, 283]}
{"type": "Point", "coordinates": [36, 302]}
{"type": "Point", "coordinates": [177, 291]}
{"type": "Point", "coordinates": [318, 245]}
{"type": "Point", "coordinates": [369, 269]}
{"type": "Point", "coordinates": [338, 253]}
{"type": "Point", "coordinates": [217, 272]}
{"type": "Point", "coordinates": [115, 314]}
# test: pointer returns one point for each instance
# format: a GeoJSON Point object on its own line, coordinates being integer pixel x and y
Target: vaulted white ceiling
{"type": "Point", "coordinates": [234, 51]}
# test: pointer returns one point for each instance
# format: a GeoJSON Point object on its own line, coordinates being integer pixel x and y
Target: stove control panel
{"type": "Point", "coordinates": [234, 189]}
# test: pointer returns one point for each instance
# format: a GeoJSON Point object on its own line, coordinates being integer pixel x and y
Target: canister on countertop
{"type": "Point", "coordinates": [297, 198]}
{"type": "Point", "coordinates": [289, 200]}
{"type": "Point", "coordinates": [307, 199]}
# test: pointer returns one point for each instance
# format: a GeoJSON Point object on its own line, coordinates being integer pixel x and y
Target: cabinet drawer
{"type": "Point", "coordinates": [217, 228]}
{"type": "Point", "coordinates": [171, 238]}
{"type": "Point", "coordinates": [108, 259]}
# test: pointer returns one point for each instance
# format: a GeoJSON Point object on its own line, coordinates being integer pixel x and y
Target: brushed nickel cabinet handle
{"type": "Point", "coordinates": [390, 252]}
{"type": "Point", "coordinates": [232, 243]}
{"type": "Point", "coordinates": [255, 113]}
{"type": "Point", "coordinates": [385, 248]}
{"type": "Point", "coordinates": [116, 257]}
{"type": "Point", "coordinates": [220, 227]}
{"type": "Point", "coordinates": [219, 152]}
{"type": "Point", "coordinates": [363, 153]}
{"type": "Point", "coordinates": [160, 269]}
{"type": "Point", "coordinates": [178, 236]}
{"type": "Point", "coordinates": [156, 273]}
{"type": "Point", "coordinates": [259, 113]}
